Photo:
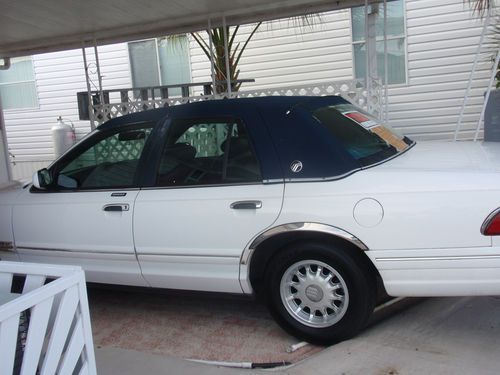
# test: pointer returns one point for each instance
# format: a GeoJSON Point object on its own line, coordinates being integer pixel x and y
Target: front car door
{"type": "Point", "coordinates": [85, 216]}
{"type": "Point", "coordinates": [208, 199]}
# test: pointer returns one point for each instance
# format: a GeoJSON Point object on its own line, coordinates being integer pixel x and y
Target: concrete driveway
{"type": "Point", "coordinates": [437, 336]}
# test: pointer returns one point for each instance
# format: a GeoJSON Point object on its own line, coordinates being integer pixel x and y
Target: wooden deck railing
{"type": "Point", "coordinates": [44, 320]}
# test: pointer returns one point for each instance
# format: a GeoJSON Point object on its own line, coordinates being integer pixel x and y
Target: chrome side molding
{"type": "Point", "coordinates": [309, 227]}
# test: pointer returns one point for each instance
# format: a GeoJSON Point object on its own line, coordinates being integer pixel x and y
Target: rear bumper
{"type": "Point", "coordinates": [439, 272]}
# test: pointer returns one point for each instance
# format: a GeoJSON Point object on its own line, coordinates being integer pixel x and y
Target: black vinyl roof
{"type": "Point", "coordinates": [226, 107]}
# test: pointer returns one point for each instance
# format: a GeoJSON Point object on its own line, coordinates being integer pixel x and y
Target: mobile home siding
{"type": "Point", "coordinates": [441, 40]}
{"type": "Point", "coordinates": [290, 52]}
{"type": "Point", "coordinates": [59, 76]}
{"type": "Point", "coordinates": [441, 43]}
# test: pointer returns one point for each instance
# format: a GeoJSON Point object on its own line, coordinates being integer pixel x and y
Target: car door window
{"type": "Point", "coordinates": [109, 162]}
{"type": "Point", "coordinates": [206, 153]}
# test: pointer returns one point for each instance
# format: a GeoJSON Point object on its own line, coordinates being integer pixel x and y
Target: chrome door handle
{"type": "Point", "coordinates": [116, 207]}
{"type": "Point", "coordinates": [246, 205]}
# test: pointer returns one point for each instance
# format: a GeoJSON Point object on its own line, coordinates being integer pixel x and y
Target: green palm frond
{"type": "Point", "coordinates": [480, 6]}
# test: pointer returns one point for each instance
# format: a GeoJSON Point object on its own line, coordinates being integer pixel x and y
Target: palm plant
{"type": "Point", "coordinates": [480, 6]}
{"type": "Point", "coordinates": [235, 51]}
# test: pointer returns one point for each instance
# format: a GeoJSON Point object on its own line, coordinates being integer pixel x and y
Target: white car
{"type": "Point", "coordinates": [307, 202]}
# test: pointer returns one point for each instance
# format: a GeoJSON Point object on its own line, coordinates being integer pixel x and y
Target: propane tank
{"type": "Point", "coordinates": [63, 136]}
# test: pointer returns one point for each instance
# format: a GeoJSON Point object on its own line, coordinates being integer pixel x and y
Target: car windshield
{"type": "Point", "coordinates": [365, 138]}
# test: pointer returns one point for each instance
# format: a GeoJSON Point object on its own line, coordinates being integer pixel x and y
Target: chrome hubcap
{"type": "Point", "coordinates": [314, 293]}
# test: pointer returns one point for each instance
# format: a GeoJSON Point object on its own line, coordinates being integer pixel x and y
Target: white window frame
{"type": "Point", "coordinates": [381, 39]}
{"type": "Point", "coordinates": [158, 60]}
{"type": "Point", "coordinates": [35, 85]}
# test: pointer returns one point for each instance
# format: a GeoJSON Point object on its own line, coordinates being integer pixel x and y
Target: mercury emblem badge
{"type": "Point", "coordinates": [296, 166]}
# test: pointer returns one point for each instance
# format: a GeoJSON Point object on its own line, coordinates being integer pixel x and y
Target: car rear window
{"type": "Point", "coordinates": [364, 137]}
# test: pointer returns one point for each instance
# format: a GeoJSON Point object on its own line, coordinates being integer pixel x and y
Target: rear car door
{"type": "Point", "coordinates": [85, 217]}
{"type": "Point", "coordinates": [209, 198]}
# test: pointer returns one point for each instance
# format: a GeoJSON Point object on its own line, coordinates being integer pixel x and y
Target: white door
{"type": "Point", "coordinates": [84, 216]}
{"type": "Point", "coordinates": [209, 201]}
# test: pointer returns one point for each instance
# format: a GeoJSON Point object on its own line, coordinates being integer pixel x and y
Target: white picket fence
{"type": "Point", "coordinates": [46, 328]}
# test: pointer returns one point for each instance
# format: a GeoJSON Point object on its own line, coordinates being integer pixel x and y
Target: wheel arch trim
{"type": "Point", "coordinates": [307, 227]}
{"type": "Point", "coordinates": [311, 227]}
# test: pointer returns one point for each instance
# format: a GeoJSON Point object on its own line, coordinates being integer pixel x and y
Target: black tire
{"type": "Point", "coordinates": [355, 308]}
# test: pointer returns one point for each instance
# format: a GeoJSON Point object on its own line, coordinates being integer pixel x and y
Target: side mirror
{"type": "Point", "coordinates": [42, 179]}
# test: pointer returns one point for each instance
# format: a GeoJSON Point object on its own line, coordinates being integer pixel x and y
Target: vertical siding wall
{"type": "Point", "coordinates": [442, 43]}
{"type": "Point", "coordinates": [289, 52]}
{"type": "Point", "coordinates": [59, 76]}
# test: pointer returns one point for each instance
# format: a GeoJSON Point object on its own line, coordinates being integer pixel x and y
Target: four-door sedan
{"type": "Point", "coordinates": [307, 202]}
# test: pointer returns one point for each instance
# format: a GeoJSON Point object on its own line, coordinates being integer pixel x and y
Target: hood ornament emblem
{"type": "Point", "coordinates": [296, 166]}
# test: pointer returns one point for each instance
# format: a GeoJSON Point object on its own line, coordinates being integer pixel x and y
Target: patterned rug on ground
{"type": "Point", "coordinates": [203, 327]}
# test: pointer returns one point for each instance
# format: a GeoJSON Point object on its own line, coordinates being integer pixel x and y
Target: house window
{"type": "Point", "coordinates": [17, 84]}
{"type": "Point", "coordinates": [160, 62]}
{"type": "Point", "coordinates": [396, 43]}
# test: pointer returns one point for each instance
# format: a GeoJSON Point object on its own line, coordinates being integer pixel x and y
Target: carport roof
{"type": "Point", "coordinates": [31, 26]}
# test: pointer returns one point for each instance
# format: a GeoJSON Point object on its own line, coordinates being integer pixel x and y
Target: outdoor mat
{"type": "Point", "coordinates": [191, 326]}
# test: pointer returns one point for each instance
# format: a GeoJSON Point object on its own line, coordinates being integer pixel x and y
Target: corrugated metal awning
{"type": "Point", "coordinates": [31, 26]}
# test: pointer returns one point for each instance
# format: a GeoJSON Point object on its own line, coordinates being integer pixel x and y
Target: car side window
{"type": "Point", "coordinates": [109, 162]}
{"type": "Point", "coordinates": [206, 153]}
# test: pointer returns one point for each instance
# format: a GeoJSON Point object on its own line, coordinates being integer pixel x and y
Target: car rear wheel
{"type": "Point", "coordinates": [319, 293]}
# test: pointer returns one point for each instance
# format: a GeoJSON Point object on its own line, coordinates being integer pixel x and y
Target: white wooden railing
{"type": "Point", "coordinates": [352, 90]}
{"type": "Point", "coordinates": [45, 329]}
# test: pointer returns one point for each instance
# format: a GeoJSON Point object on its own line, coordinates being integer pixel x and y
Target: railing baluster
{"type": "Point", "coordinates": [124, 96]}
{"type": "Point", "coordinates": [74, 349]}
{"type": "Point", "coordinates": [62, 324]}
{"type": "Point", "coordinates": [33, 282]}
{"type": "Point", "coordinates": [8, 343]}
{"type": "Point", "coordinates": [5, 282]}
{"type": "Point", "coordinates": [36, 335]}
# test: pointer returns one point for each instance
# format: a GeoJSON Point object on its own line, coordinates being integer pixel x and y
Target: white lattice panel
{"type": "Point", "coordinates": [353, 90]}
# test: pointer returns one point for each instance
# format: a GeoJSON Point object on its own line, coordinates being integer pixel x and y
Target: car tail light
{"type": "Point", "coordinates": [491, 226]}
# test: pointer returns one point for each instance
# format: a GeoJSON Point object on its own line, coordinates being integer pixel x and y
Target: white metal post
{"type": "Point", "coordinates": [3, 135]}
{"type": "Point", "coordinates": [471, 76]}
{"type": "Point", "coordinates": [386, 69]}
{"type": "Point", "coordinates": [226, 52]}
{"type": "Point", "coordinates": [99, 77]}
{"type": "Point", "coordinates": [212, 64]}
{"type": "Point", "coordinates": [89, 91]}
{"type": "Point", "coordinates": [367, 60]}
{"type": "Point", "coordinates": [372, 42]}
{"type": "Point", "coordinates": [487, 96]}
